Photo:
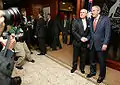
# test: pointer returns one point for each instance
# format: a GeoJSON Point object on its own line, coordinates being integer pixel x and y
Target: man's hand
{"type": "Point", "coordinates": [2, 25]}
{"type": "Point", "coordinates": [104, 47]}
{"type": "Point", "coordinates": [84, 39]}
{"type": "Point", "coordinates": [35, 36]}
{"type": "Point", "coordinates": [12, 42]}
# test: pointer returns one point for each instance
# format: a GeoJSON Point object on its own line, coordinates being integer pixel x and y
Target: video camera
{"type": "Point", "coordinates": [12, 16]}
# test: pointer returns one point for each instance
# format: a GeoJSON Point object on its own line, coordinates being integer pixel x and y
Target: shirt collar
{"type": "Point", "coordinates": [84, 19]}
{"type": "Point", "coordinates": [24, 16]}
{"type": "Point", "coordinates": [49, 19]}
{"type": "Point", "coordinates": [98, 17]}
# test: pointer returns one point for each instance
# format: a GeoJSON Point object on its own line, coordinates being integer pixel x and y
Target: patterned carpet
{"type": "Point", "coordinates": [48, 71]}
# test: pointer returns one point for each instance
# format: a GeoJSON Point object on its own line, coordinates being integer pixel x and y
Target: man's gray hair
{"type": "Point", "coordinates": [98, 8]}
{"type": "Point", "coordinates": [85, 10]}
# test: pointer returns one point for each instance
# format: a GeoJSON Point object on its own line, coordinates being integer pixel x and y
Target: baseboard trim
{"type": "Point", "coordinates": [113, 64]}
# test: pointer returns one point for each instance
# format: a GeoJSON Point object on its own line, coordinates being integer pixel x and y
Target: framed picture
{"type": "Point", "coordinates": [46, 10]}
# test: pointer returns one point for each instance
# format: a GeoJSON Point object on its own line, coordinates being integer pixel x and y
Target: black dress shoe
{"type": "Point", "coordinates": [32, 61]}
{"type": "Point", "coordinates": [41, 54]}
{"type": "Point", "coordinates": [19, 67]}
{"type": "Point", "coordinates": [73, 70]}
{"type": "Point", "coordinates": [100, 79]}
{"type": "Point", "coordinates": [54, 49]}
{"type": "Point", "coordinates": [16, 80]}
{"type": "Point", "coordinates": [82, 71]}
{"type": "Point", "coordinates": [90, 75]}
{"type": "Point", "coordinates": [60, 47]}
{"type": "Point", "coordinates": [31, 52]}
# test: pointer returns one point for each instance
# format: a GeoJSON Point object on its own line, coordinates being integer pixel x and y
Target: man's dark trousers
{"type": "Point", "coordinates": [101, 58]}
{"type": "Point", "coordinates": [82, 52]}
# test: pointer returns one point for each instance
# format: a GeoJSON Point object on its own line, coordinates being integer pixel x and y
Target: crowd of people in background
{"type": "Point", "coordinates": [45, 34]}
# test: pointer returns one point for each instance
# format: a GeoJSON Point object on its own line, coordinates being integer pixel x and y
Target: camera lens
{"type": "Point", "coordinates": [12, 16]}
{"type": "Point", "coordinates": [17, 15]}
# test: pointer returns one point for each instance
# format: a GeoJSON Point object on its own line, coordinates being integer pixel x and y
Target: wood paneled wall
{"type": "Point", "coordinates": [34, 6]}
{"type": "Point", "coordinates": [1, 4]}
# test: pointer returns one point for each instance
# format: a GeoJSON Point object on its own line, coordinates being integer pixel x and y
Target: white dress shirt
{"type": "Point", "coordinates": [84, 24]}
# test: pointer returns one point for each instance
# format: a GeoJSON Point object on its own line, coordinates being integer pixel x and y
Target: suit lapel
{"type": "Point", "coordinates": [92, 24]}
{"type": "Point", "coordinates": [82, 27]}
{"type": "Point", "coordinates": [98, 23]}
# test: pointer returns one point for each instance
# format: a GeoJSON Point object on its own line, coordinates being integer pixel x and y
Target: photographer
{"type": "Point", "coordinates": [21, 48]}
{"type": "Point", "coordinates": [7, 60]}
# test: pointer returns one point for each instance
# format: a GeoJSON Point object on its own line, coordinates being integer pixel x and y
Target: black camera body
{"type": "Point", "coordinates": [12, 16]}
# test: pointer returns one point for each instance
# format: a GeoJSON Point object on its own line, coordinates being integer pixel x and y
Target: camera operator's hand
{"type": "Point", "coordinates": [1, 17]}
{"type": "Point", "coordinates": [2, 25]}
{"type": "Point", "coordinates": [12, 42]}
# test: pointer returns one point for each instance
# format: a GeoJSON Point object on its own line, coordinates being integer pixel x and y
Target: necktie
{"type": "Point", "coordinates": [94, 24]}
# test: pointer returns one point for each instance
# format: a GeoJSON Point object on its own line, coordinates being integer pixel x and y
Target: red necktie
{"type": "Point", "coordinates": [94, 24]}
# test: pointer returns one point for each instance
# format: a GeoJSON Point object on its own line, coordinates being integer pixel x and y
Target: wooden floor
{"type": "Point", "coordinates": [65, 55]}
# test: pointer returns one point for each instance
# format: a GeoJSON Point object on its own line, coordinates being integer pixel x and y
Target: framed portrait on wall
{"type": "Point", "coordinates": [46, 10]}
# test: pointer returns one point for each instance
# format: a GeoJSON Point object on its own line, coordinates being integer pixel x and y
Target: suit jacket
{"type": "Point", "coordinates": [102, 33]}
{"type": "Point", "coordinates": [71, 23]}
{"type": "Point", "coordinates": [50, 30]}
{"type": "Point", "coordinates": [25, 28]}
{"type": "Point", "coordinates": [57, 25]}
{"type": "Point", "coordinates": [78, 32]}
{"type": "Point", "coordinates": [65, 29]}
{"type": "Point", "coordinates": [50, 27]}
{"type": "Point", "coordinates": [40, 28]}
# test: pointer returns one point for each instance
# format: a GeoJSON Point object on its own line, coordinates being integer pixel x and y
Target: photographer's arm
{"type": "Point", "coordinates": [2, 25]}
{"type": "Point", "coordinates": [11, 46]}
{"type": "Point", "coordinates": [12, 42]}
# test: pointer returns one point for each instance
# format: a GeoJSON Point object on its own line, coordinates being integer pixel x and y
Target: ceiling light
{"type": "Point", "coordinates": [63, 3]}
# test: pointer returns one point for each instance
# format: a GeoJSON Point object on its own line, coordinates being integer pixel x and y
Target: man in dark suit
{"type": "Point", "coordinates": [66, 25]}
{"type": "Point", "coordinates": [80, 30]}
{"type": "Point", "coordinates": [70, 30]}
{"type": "Point", "coordinates": [57, 28]}
{"type": "Point", "coordinates": [100, 33]}
{"type": "Point", "coordinates": [49, 30]}
{"type": "Point", "coordinates": [40, 32]}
